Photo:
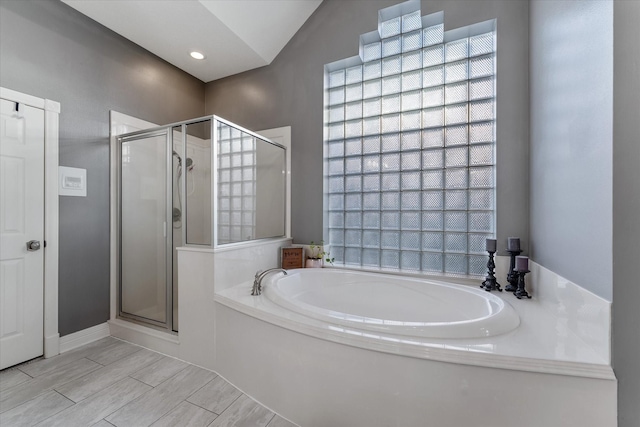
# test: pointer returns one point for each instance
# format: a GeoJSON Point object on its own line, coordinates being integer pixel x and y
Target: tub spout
{"type": "Point", "coordinates": [257, 281]}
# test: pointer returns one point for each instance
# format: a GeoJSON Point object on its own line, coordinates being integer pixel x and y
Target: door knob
{"type": "Point", "coordinates": [33, 245]}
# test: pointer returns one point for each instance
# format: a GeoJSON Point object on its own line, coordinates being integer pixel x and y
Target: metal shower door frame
{"type": "Point", "coordinates": [167, 132]}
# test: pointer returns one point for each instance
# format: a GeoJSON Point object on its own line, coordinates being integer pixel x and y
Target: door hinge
{"type": "Point", "coordinates": [45, 243]}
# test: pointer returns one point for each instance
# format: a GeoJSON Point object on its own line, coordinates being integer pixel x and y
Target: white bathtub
{"type": "Point", "coordinates": [347, 348]}
{"type": "Point", "coordinates": [392, 304]}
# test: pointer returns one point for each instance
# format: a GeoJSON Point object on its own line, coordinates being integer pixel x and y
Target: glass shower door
{"type": "Point", "coordinates": [145, 220]}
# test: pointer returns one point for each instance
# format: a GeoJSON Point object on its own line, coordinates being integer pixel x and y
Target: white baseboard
{"type": "Point", "coordinates": [52, 345]}
{"type": "Point", "coordinates": [153, 339]}
{"type": "Point", "coordinates": [85, 336]}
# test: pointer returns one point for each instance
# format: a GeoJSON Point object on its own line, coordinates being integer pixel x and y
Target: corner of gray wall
{"type": "Point", "coordinates": [626, 210]}
{"type": "Point", "coordinates": [571, 107]}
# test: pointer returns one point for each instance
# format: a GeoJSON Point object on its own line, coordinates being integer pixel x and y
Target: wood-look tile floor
{"type": "Point", "coordinates": [114, 383]}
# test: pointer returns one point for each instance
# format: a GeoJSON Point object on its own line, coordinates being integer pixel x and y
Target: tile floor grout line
{"type": "Point", "coordinates": [124, 404]}
{"type": "Point", "coordinates": [269, 422]}
{"type": "Point", "coordinates": [45, 392]}
{"type": "Point", "coordinates": [152, 389]}
{"type": "Point", "coordinates": [164, 414]}
{"type": "Point", "coordinates": [166, 379]}
{"type": "Point", "coordinates": [132, 400]}
{"type": "Point", "coordinates": [196, 405]}
{"type": "Point", "coordinates": [140, 348]}
{"type": "Point", "coordinates": [47, 389]}
{"type": "Point", "coordinates": [42, 358]}
{"type": "Point", "coordinates": [81, 376]}
{"type": "Point", "coordinates": [27, 362]}
{"type": "Point", "coordinates": [63, 409]}
{"type": "Point", "coordinates": [201, 407]}
{"type": "Point", "coordinates": [56, 391]}
{"type": "Point", "coordinates": [26, 401]}
{"type": "Point", "coordinates": [104, 366]}
{"type": "Point", "coordinates": [20, 383]}
{"type": "Point", "coordinates": [18, 369]}
{"type": "Point", "coordinates": [167, 356]}
{"type": "Point", "coordinates": [234, 401]}
{"type": "Point", "coordinates": [93, 394]}
{"type": "Point", "coordinates": [216, 376]}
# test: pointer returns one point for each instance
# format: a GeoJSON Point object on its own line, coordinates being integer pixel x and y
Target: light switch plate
{"type": "Point", "coordinates": [72, 181]}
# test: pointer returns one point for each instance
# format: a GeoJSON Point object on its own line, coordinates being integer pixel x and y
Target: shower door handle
{"type": "Point", "coordinates": [33, 245]}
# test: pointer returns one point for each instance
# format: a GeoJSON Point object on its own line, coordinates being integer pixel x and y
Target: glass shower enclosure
{"type": "Point", "coordinates": [204, 182]}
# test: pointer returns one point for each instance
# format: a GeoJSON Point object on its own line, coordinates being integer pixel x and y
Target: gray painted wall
{"type": "Point", "coordinates": [626, 210]}
{"type": "Point", "coordinates": [571, 140]}
{"type": "Point", "coordinates": [290, 92]}
{"type": "Point", "coordinates": [51, 51]}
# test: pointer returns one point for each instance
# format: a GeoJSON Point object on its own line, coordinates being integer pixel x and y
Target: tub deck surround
{"type": "Point", "coordinates": [554, 337]}
{"type": "Point", "coordinates": [553, 369]}
{"type": "Point", "coordinates": [316, 382]}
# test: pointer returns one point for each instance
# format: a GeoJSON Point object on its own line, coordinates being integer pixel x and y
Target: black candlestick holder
{"type": "Point", "coordinates": [512, 276]}
{"type": "Point", "coordinates": [491, 283]}
{"type": "Point", "coordinates": [521, 292]}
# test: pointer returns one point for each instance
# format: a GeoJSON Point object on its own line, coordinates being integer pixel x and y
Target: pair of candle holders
{"type": "Point", "coordinates": [514, 277]}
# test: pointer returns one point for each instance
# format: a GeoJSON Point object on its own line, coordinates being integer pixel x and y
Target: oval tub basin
{"type": "Point", "coordinates": [391, 304]}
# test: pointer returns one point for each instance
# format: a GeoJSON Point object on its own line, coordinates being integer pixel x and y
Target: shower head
{"type": "Point", "coordinates": [175, 154]}
{"type": "Point", "coordinates": [189, 161]}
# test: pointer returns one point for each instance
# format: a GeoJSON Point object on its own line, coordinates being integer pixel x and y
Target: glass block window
{"type": "Point", "coordinates": [236, 185]}
{"type": "Point", "coordinates": [410, 146]}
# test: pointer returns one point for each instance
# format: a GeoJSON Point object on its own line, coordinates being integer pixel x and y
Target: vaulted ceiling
{"type": "Point", "coordinates": [234, 35]}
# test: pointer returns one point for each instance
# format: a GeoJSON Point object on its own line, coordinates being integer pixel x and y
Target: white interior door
{"type": "Point", "coordinates": [21, 221]}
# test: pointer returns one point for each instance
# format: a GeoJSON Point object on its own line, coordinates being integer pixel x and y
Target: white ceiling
{"type": "Point", "coordinates": [234, 35]}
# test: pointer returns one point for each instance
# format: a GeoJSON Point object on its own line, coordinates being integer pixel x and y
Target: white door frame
{"type": "Point", "coordinates": [51, 130]}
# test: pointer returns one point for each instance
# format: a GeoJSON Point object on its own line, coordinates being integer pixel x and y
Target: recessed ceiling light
{"type": "Point", "coordinates": [196, 55]}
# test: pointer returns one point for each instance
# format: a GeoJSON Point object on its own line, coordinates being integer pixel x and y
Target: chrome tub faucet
{"type": "Point", "coordinates": [257, 281]}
